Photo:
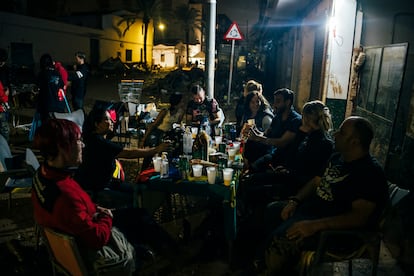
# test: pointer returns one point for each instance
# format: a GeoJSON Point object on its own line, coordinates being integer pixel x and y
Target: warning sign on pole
{"type": "Point", "coordinates": [233, 33]}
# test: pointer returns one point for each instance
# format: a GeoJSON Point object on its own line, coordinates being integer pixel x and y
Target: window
{"type": "Point", "coordinates": [381, 79]}
{"type": "Point", "coordinates": [162, 57]}
{"type": "Point", "coordinates": [128, 55]}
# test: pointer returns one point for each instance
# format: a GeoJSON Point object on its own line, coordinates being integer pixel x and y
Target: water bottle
{"type": "Point", "coordinates": [164, 173]}
{"type": "Point", "coordinates": [187, 141]}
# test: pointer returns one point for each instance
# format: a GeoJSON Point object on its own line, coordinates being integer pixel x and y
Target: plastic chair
{"type": "Point", "coordinates": [64, 253]}
{"type": "Point", "coordinates": [78, 117]}
{"type": "Point", "coordinates": [16, 172]}
{"type": "Point", "coordinates": [369, 242]}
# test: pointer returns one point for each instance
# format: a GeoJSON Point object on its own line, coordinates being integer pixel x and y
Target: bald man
{"type": "Point", "coordinates": [351, 194]}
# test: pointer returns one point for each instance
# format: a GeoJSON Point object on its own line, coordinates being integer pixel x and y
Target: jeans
{"type": "Point", "coordinates": [4, 125]}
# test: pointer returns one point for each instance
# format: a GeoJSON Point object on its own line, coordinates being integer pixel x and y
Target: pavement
{"type": "Point", "coordinates": [204, 251]}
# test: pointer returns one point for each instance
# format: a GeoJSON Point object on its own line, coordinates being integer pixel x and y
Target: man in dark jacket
{"type": "Point", "coordinates": [79, 80]}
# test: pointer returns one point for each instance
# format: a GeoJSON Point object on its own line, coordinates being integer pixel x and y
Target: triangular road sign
{"type": "Point", "coordinates": [233, 33]}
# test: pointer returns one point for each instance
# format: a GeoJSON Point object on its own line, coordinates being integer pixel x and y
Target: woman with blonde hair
{"type": "Point", "coordinates": [317, 116]}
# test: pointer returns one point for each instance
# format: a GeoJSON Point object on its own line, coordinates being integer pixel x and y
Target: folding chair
{"type": "Point", "coordinates": [16, 172]}
{"type": "Point", "coordinates": [64, 253]}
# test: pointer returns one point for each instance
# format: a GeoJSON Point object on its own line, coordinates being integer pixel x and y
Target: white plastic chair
{"type": "Point", "coordinates": [13, 180]}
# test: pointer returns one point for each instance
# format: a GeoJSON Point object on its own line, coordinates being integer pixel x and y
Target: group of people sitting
{"type": "Point", "coordinates": [319, 180]}
{"type": "Point", "coordinates": [301, 178]}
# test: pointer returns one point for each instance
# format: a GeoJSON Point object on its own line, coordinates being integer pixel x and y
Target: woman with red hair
{"type": "Point", "coordinates": [60, 203]}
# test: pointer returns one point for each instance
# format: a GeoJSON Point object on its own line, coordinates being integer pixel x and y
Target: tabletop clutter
{"type": "Point", "coordinates": [211, 155]}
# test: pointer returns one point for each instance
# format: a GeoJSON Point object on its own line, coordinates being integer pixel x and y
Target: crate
{"type": "Point", "coordinates": [130, 90]}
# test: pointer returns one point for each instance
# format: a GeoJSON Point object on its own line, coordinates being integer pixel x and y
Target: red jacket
{"type": "Point", "coordinates": [71, 210]}
{"type": "Point", "coordinates": [3, 98]}
{"type": "Point", "coordinates": [62, 71]}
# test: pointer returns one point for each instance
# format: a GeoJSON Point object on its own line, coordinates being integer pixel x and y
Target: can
{"type": "Point", "coordinates": [222, 147]}
{"type": "Point", "coordinates": [184, 166]}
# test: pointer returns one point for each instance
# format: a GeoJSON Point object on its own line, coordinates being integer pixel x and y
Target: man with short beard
{"type": "Point", "coordinates": [280, 135]}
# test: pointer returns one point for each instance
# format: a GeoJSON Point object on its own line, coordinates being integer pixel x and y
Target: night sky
{"type": "Point", "coordinates": [244, 12]}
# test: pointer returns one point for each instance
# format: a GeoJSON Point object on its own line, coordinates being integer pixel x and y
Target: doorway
{"type": "Point", "coordinates": [380, 91]}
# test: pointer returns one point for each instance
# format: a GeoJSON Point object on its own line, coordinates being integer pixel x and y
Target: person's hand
{"type": "Point", "coordinates": [104, 211]}
{"type": "Point", "coordinates": [301, 229]}
{"type": "Point", "coordinates": [254, 134]}
{"type": "Point", "coordinates": [245, 130]}
{"type": "Point", "coordinates": [288, 210]}
{"type": "Point", "coordinates": [281, 170]}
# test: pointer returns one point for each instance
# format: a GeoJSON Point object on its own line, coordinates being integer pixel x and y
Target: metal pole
{"type": "Point", "coordinates": [211, 47]}
{"type": "Point", "coordinates": [231, 71]}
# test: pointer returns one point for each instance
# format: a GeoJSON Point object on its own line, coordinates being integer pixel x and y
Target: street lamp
{"type": "Point", "coordinates": [161, 26]}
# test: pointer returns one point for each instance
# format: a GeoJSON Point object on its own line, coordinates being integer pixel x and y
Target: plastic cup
{"type": "Point", "coordinates": [211, 175]}
{"type": "Point", "coordinates": [157, 163]}
{"type": "Point", "coordinates": [232, 153]}
{"type": "Point", "coordinates": [236, 145]}
{"type": "Point", "coordinates": [194, 132]}
{"type": "Point", "coordinates": [218, 139]}
{"type": "Point", "coordinates": [197, 170]}
{"type": "Point", "coordinates": [227, 176]}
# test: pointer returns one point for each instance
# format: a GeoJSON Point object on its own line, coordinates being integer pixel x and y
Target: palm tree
{"type": "Point", "coordinates": [146, 10]}
{"type": "Point", "coordinates": [190, 20]}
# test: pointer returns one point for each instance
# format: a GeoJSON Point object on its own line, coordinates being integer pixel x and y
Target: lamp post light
{"type": "Point", "coordinates": [161, 26]}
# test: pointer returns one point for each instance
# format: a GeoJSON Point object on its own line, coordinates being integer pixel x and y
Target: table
{"type": "Point", "coordinates": [200, 188]}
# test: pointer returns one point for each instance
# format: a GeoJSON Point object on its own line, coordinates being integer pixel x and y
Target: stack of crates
{"type": "Point", "coordinates": [130, 91]}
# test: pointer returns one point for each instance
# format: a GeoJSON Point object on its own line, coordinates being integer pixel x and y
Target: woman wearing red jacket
{"type": "Point", "coordinates": [4, 107]}
{"type": "Point", "coordinates": [61, 204]}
